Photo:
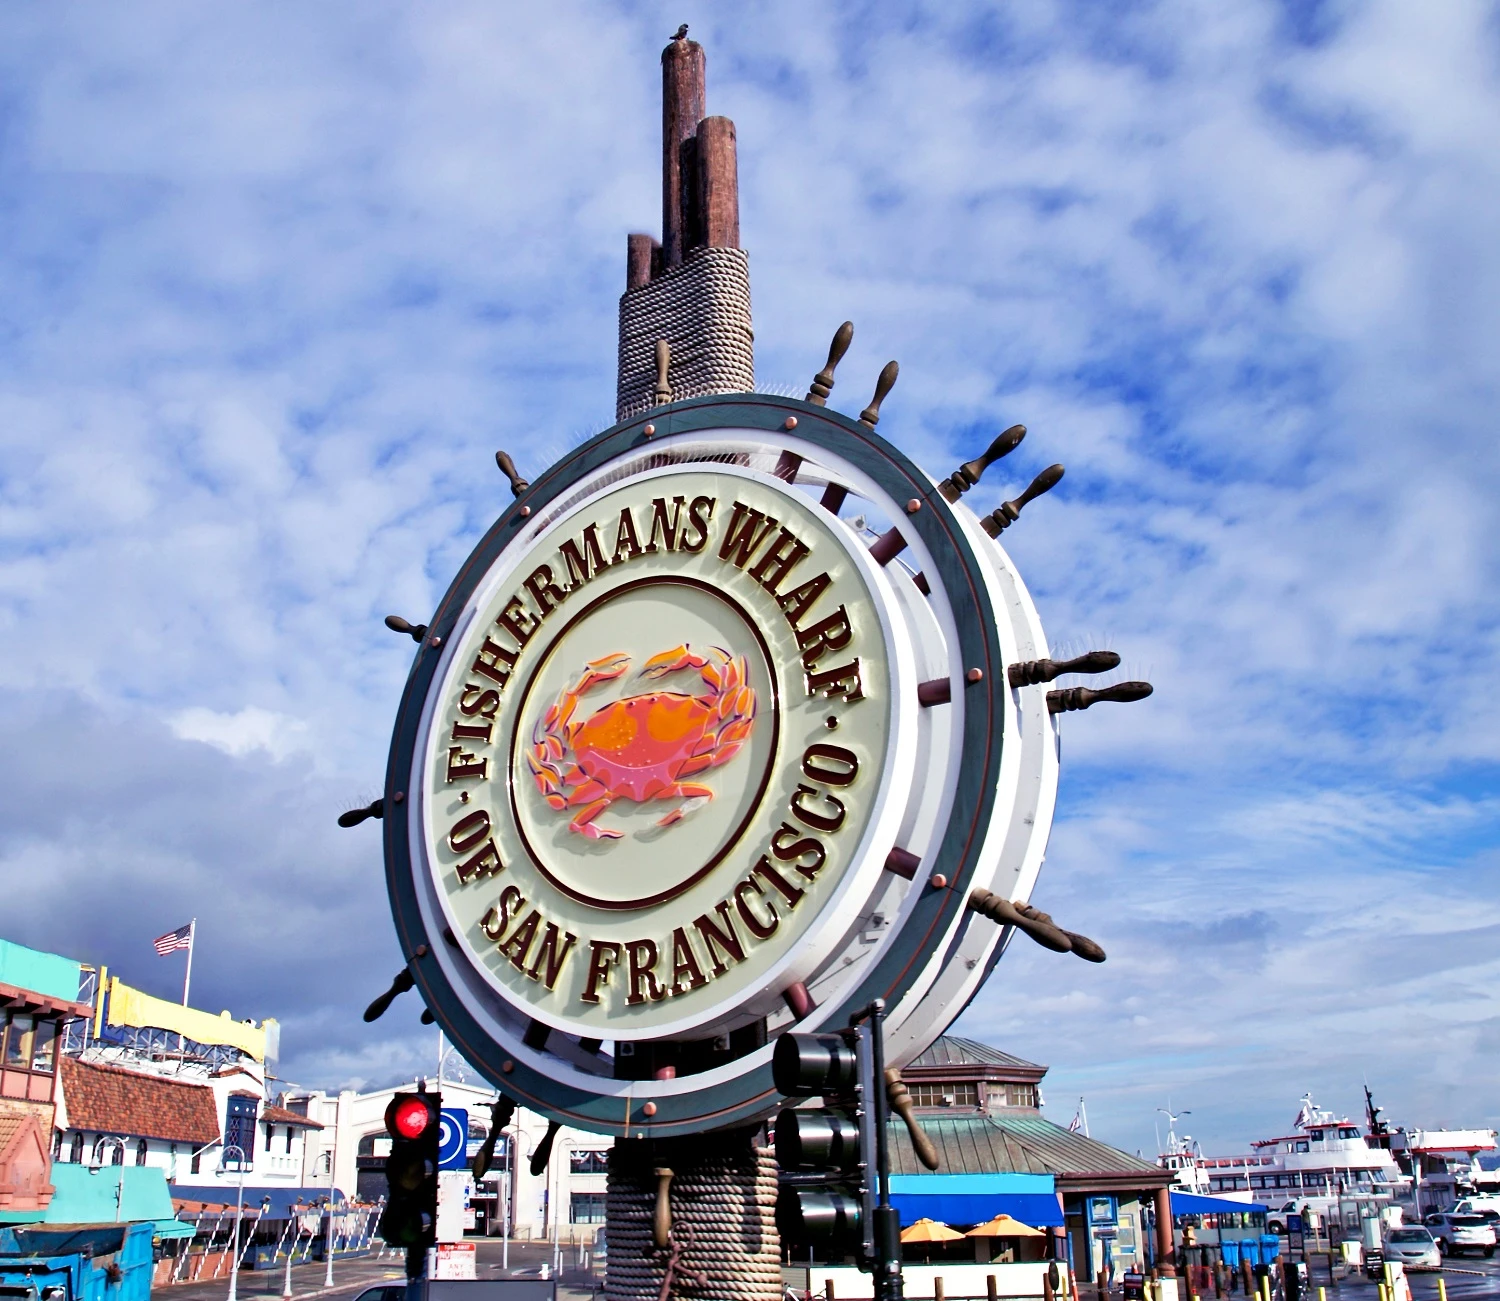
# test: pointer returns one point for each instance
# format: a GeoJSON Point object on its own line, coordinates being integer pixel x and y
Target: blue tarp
{"type": "Point", "coordinates": [973, 1199]}
{"type": "Point", "coordinates": [1197, 1204]}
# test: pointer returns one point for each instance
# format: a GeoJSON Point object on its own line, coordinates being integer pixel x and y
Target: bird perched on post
{"type": "Point", "coordinates": [681, 33]}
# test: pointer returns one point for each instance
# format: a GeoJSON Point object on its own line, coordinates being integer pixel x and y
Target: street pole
{"type": "Point", "coordinates": [887, 1220]}
{"type": "Point", "coordinates": [332, 1166]}
{"type": "Point", "coordinates": [286, 1288]}
{"type": "Point", "coordinates": [554, 1203]}
{"type": "Point", "coordinates": [239, 1210]}
{"type": "Point", "coordinates": [101, 1148]}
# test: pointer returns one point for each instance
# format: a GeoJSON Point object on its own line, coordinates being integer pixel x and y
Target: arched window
{"type": "Point", "coordinates": [117, 1154]}
{"type": "Point", "coordinates": [77, 1154]}
{"type": "Point", "coordinates": [140, 1152]}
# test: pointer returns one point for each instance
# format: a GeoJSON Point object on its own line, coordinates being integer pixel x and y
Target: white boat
{"type": "Point", "coordinates": [1326, 1163]}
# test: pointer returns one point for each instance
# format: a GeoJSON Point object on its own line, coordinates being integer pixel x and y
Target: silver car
{"type": "Point", "coordinates": [1414, 1247]}
{"type": "Point", "coordinates": [1460, 1233]}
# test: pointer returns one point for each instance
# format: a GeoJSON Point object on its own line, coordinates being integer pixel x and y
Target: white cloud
{"type": "Point", "coordinates": [241, 733]}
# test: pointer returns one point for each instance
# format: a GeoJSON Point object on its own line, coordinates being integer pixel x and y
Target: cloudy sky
{"type": "Point", "coordinates": [279, 279]}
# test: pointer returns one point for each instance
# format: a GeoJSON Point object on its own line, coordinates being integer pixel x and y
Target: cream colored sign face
{"type": "Point", "coordinates": [655, 763]}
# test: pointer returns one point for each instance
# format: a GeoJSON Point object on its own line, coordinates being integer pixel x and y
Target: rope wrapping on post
{"type": "Point", "coordinates": [702, 310]}
{"type": "Point", "coordinates": [723, 1209]}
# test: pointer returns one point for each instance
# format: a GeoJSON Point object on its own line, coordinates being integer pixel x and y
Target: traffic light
{"type": "Point", "coordinates": [413, 1120]}
{"type": "Point", "coordinates": [834, 1187]}
{"type": "Point", "coordinates": [822, 1198]}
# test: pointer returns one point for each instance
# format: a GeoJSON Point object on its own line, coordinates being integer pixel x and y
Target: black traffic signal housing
{"type": "Point", "coordinates": [413, 1121]}
{"type": "Point", "coordinates": [826, 1155]}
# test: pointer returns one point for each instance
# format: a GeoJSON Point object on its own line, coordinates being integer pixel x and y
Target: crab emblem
{"type": "Point", "coordinates": [641, 747]}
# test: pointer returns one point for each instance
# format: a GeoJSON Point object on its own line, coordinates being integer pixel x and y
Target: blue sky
{"type": "Point", "coordinates": [278, 280]}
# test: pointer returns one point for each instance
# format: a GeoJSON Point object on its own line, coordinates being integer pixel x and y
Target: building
{"type": "Point", "coordinates": [982, 1109]}
{"type": "Point", "coordinates": [39, 996]}
{"type": "Point", "coordinates": [352, 1140]}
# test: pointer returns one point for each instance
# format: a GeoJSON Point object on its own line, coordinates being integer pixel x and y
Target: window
{"type": "Point", "coordinates": [76, 1154]}
{"type": "Point", "coordinates": [140, 1152]}
{"type": "Point", "coordinates": [289, 1140]}
{"type": "Point", "coordinates": [117, 1154]}
{"type": "Point", "coordinates": [196, 1165]}
{"type": "Point", "coordinates": [1348, 1132]}
{"type": "Point", "coordinates": [586, 1208]}
{"type": "Point", "coordinates": [944, 1095]}
{"type": "Point", "coordinates": [239, 1125]}
{"type": "Point", "coordinates": [18, 1041]}
{"type": "Point", "coordinates": [44, 1047]}
{"type": "Point", "coordinates": [1302, 1145]}
{"type": "Point", "coordinates": [588, 1162]}
{"type": "Point", "coordinates": [1316, 1135]}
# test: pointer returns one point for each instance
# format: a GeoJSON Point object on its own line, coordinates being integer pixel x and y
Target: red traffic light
{"type": "Point", "coordinates": [408, 1117]}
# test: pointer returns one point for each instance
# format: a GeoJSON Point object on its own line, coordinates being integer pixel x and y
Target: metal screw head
{"type": "Point", "coordinates": [649, 1109]}
{"type": "Point", "coordinates": [434, 641]}
{"type": "Point", "coordinates": [791, 422]}
{"type": "Point", "coordinates": [507, 1066]}
{"type": "Point", "coordinates": [398, 797]}
{"type": "Point", "coordinates": [525, 511]}
{"type": "Point", "coordinates": [421, 950]}
{"type": "Point", "coordinates": [649, 430]}
{"type": "Point", "coordinates": [939, 881]}
{"type": "Point", "coordinates": [975, 675]}
{"type": "Point", "coordinates": [913, 506]}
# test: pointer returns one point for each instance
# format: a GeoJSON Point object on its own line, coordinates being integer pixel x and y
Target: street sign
{"type": "Point", "coordinates": [453, 1138]}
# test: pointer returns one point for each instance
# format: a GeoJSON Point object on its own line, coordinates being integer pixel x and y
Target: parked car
{"type": "Point", "coordinates": [1414, 1247]}
{"type": "Point", "coordinates": [1457, 1233]}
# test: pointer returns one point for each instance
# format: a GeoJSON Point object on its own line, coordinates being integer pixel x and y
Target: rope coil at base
{"type": "Point", "coordinates": [722, 1245]}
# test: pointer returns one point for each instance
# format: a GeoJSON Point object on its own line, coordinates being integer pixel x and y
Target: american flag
{"type": "Point", "coordinates": [181, 938]}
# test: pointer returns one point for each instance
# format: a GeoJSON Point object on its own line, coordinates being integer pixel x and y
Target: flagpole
{"type": "Point", "coordinates": [188, 975]}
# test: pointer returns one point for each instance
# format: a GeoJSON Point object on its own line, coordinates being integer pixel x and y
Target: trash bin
{"type": "Point", "coordinates": [1231, 1252]}
{"type": "Point", "coordinates": [1270, 1247]}
{"type": "Point", "coordinates": [1296, 1280]}
{"type": "Point", "coordinates": [1250, 1251]}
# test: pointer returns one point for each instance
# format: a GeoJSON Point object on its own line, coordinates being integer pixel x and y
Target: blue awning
{"type": "Point", "coordinates": [973, 1199]}
{"type": "Point", "coordinates": [1197, 1204]}
{"type": "Point", "coordinates": [283, 1200]}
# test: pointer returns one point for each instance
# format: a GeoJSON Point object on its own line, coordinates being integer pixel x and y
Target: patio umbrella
{"type": "Point", "coordinates": [1003, 1226]}
{"type": "Point", "coordinates": [925, 1230]}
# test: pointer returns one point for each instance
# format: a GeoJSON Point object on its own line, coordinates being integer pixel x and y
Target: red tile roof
{"type": "Point", "coordinates": [273, 1115]}
{"type": "Point", "coordinates": [113, 1100]}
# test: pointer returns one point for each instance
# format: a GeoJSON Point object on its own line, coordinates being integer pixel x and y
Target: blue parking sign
{"type": "Point", "coordinates": [453, 1138]}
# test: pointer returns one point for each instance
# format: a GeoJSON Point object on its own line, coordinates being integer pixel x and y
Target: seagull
{"type": "Point", "coordinates": [681, 33]}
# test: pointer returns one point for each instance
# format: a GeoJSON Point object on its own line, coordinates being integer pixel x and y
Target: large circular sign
{"type": "Point", "coordinates": [657, 766]}
{"type": "Point", "coordinates": [710, 737]}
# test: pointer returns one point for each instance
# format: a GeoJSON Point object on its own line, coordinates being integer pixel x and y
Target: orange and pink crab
{"type": "Point", "coordinates": [642, 747]}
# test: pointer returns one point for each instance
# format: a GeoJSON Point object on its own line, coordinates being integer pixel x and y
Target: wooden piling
{"type": "Point", "coordinates": [717, 206]}
{"type": "Point", "coordinates": [642, 253]}
{"type": "Point", "coordinates": [682, 108]}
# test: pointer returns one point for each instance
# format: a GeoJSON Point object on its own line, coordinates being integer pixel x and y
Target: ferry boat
{"type": "Point", "coordinates": [1325, 1162]}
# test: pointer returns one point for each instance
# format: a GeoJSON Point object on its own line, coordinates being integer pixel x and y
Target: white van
{"type": "Point", "coordinates": [1477, 1204]}
{"type": "Point", "coordinates": [1277, 1216]}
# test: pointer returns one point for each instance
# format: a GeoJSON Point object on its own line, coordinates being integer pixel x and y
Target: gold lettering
{"type": "Point", "coordinates": [469, 831]}
{"type": "Point", "coordinates": [462, 764]}
{"type": "Point", "coordinates": [685, 964]}
{"type": "Point", "coordinates": [778, 560]}
{"type": "Point", "coordinates": [583, 567]}
{"type": "Point", "coordinates": [744, 539]}
{"type": "Point", "coordinates": [799, 600]}
{"type": "Point", "coordinates": [847, 770]}
{"type": "Point", "coordinates": [844, 680]}
{"type": "Point", "coordinates": [473, 732]}
{"type": "Point", "coordinates": [519, 945]}
{"type": "Point", "coordinates": [494, 661]}
{"type": "Point", "coordinates": [643, 972]}
{"type": "Point", "coordinates": [832, 633]}
{"type": "Point", "coordinates": [485, 863]}
{"type": "Point", "coordinates": [786, 853]}
{"type": "Point", "coordinates": [660, 525]}
{"type": "Point", "coordinates": [755, 927]}
{"type": "Point", "coordinates": [725, 939]}
{"type": "Point", "coordinates": [547, 594]}
{"type": "Point", "coordinates": [829, 822]}
{"type": "Point", "coordinates": [699, 513]}
{"type": "Point", "coordinates": [625, 538]}
{"type": "Point", "coordinates": [602, 954]}
{"type": "Point", "coordinates": [791, 893]}
{"type": "Point", "coordinates": [513, 620]}
{"type": "Point", "coordinates": [485, 704]}
{"type": "Point", "coordinates": [494, 922]}
{"type": "Point", "coordinates": [555, 957]}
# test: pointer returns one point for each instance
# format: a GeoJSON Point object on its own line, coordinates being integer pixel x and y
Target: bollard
{"type": "Point", "coordinates": [828, 1289]}
{"type": "Point", "coordinates": [1322, 1293]}
{"type": "Point", "coordinates": [939, 1293]}
{"type": "Point", "coordinates": [992, 1288]}
{"type": "Point", "coordinates": [1442, 1288]}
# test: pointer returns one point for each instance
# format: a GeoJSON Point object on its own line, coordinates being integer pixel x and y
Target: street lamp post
{"type": "Point", "coordinates": [239, 1210]}
{"type": "Point", "coordinates": [332, 1162]}
{"type": "Point", "coordinates": [286, 1290]}
{"type": "Point", "coordinates": [554, 1208]}
{"type": "Point", "coordinates": [99, 1149]}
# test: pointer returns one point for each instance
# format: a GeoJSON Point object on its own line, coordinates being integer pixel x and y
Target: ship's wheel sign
{"type": "Point", "coordinates": [712, 735]}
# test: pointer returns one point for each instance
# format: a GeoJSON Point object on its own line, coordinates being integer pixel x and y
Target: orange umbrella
{"type": "Point", "coordinates": [929, 1231]}
{"type": "Point", "coordinates": [1004, 1226]}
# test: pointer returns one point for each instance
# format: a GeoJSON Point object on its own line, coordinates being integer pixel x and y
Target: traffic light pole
{"type": "Point", "coordinates": [886, 1220]}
